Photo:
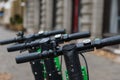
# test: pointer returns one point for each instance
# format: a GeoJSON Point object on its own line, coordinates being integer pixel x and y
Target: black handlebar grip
{"type": "Point", "coordinates": [16, 47]}
{"type": "Point", "coordinates": [36, 55]}
{"type": "Point", "coordinates": [27, 57]}
{"type": "Point", "coordinates": [22, 46]}
{"type": "Point", "coordinates": [79, 35]}
{"type": "Point", "coordinates": [57, 32]}
{"type": "Point", "coordinates": [7, 41]}
{"type": "Point", "coordinates": [110, 41]}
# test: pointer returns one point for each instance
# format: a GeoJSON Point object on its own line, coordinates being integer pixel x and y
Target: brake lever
{"type": "Point", "coordinates": [21, 51]}
{"type": "Point", "coordinates": [20, 34]}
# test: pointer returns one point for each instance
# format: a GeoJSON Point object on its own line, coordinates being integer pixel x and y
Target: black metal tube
{"type": "Point", "coordinates": [79, 35]}
{"type": "Point", "coordinates": [72, 62]}
{"type": "Point", "coordinates": [32, 37]}
{"type": "Point", "coordinates": [27, 57]}
{"type": "Point", "coordinates": [7, 41]}
{"type": "Point", "coordinates": [110, 41]}
{"type": "Point", "coordinates": [37, 67]}
{"type": "Point", "coordinates": [60, 40]}
{"type": "Point", "coordinates": [23, 46]}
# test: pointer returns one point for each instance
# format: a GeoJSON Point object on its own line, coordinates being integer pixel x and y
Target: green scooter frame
{"type": "Point", "coordinates": [84, 73]}
{"type": "Point", "coordinates": [58, 66]}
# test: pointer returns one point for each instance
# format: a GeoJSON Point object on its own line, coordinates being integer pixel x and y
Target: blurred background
{"type": "Point", "coordinates": [100, 17]}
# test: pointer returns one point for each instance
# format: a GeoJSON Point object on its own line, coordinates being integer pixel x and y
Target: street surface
{"type": "Point", "coordinates": [100, 68]}
{"type": "Point", "coordinates": [7, 60]}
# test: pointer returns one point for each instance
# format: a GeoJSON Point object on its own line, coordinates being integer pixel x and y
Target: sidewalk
{"type": "Point", "coordinates": [101, 68]}
{"type": "Point", "coordinates": [7, 60]}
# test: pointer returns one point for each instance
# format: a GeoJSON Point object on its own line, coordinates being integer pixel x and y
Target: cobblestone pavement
{"type": "Point", "coordinates": [99, 68]}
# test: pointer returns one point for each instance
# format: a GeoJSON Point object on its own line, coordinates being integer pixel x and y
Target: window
{"type": "Point", "coordinates": [111, 18]}
{"type": "Point", "coordinates": [118, 16]}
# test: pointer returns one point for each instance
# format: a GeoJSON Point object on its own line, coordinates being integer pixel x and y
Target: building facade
{"type": "Point", "coordinates": [12, 8]}
{"type": "Point", "coordinates": [100, 17]}
{"type": "Point", "coordinates": [48, 14]}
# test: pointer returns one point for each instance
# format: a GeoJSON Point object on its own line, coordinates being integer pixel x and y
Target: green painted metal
{"type": "Point", "coordinates": [84, 73]}
{"type": "Point", "coordinates": [57, 63]}
{"type": "Point", "coordinates": [56, 60]}
{"type": "Point", "coordinates": [39, 50]}
{"type": "Point", "coordinates": [66, 73]}
{"type": "Point", "coordinates": [58, 66]}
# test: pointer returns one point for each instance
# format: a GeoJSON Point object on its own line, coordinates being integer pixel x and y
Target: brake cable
{"type": "Point", "coordinates": [86, 64]}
